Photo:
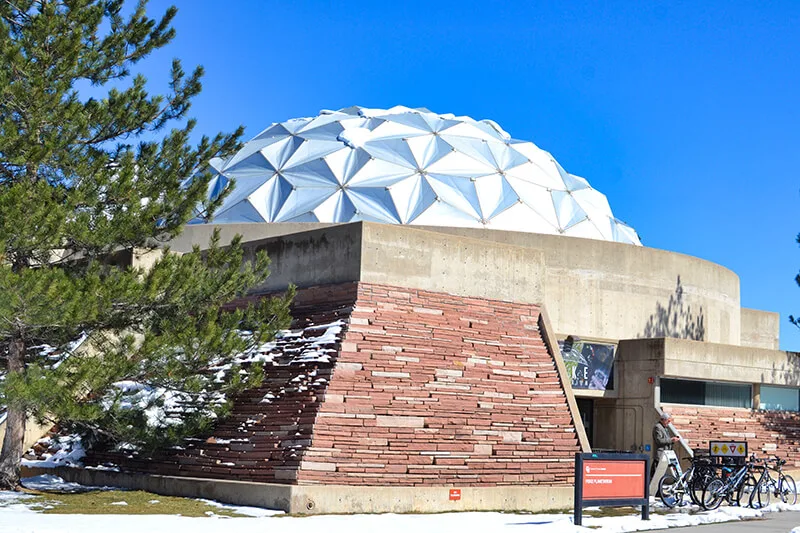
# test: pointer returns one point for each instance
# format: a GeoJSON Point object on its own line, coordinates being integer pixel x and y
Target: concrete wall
{"type": "Point", "coordinates": [317, 257]}
{"type": "Point", "coordinates": [760, 329]}
{"type": "Point", "coordinates": [610, 290]}
{"type": "Point", "coordinates": [627, 422]}
{"type": "Point", "coordinates": [201, 233]}
{"type": "Point", "coordinates": [33, 432]}
{"type": "Point", "coordinates": [592, 288]}
{"type": "Point", "coordinates": [311, 499]}
{"type": "Point", "coordinates": [461, 266]}
{"type": "Point", "coordinates": [380, 253]}
{"type": "Point", "coordinates": [719, 362]}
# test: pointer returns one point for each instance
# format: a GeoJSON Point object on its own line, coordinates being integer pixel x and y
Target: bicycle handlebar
{"type": "Point", "coordinates": [753, 461]}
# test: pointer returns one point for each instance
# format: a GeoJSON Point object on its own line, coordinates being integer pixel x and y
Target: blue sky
{"type": "Point", "coordinates": [685, 114]}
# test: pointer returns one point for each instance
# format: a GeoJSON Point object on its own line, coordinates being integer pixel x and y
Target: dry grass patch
{"type": "Point", "coordinates": [125, 502]}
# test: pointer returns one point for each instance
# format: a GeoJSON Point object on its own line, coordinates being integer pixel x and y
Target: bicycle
{"type": "Point", "coordinates": [787, 490]}
{"type": "Point", "coordinates": [765, 488]}
{"type": "Point", "coordinates": [734, 488]}
{"type": "Point", "coordinates": [783, 487]}
{"type": "Point", "coordinates": [675, 484]}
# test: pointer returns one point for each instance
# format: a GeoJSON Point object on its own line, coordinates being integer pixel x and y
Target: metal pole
{"type": "Point", "coordinates": [646, 506]}
{"type": "Point", "coordinates": [578, 512]}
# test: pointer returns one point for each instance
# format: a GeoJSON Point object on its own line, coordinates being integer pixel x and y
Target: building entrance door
{"type": "Point", "coordinates": [586, 409]}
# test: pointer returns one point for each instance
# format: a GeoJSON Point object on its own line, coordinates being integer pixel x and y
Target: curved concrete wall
{"type": "Point", "coordinates": [618, 291]}
{"type": "Point", "coordinates": [591, 288]}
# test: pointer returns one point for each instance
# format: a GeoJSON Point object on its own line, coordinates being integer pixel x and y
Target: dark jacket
{"type": "Point", "coordinates": [661, 437]}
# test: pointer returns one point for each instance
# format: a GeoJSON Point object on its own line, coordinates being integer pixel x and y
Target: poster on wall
{"type": "Point", "coordinates": [590, 364]}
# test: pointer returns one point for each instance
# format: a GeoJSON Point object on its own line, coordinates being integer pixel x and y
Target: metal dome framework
{"type": "Point", "coordinates": [408, 166]}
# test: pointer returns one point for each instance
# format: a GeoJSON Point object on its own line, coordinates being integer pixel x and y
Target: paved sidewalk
{"type": "Point", "coordinates": [771, 523]}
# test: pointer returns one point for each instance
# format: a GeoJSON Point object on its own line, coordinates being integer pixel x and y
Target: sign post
{"type": "Point", "coordinates": [611, 480]}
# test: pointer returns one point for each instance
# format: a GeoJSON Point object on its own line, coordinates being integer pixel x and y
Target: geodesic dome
{"type": "Point", "coordinates": [408, 166]}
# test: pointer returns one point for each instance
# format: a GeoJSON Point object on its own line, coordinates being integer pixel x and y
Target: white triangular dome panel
{"type": "Point", "coordinates": [411, 197]}
{"type": "Point", "coordinates": [407, 166]}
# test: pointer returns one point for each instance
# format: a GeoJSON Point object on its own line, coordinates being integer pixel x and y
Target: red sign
{"type": "Point", "coordinates": [605, 480]}
{"type": "Point", "coordinates": [455, 495]}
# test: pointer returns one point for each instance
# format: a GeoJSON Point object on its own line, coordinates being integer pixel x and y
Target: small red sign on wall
{"type": "Point", "coordinates": [455, 495]}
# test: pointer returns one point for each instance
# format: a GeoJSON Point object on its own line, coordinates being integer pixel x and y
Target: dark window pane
{"type": "Point", "coordinates": [729, 394]}
{"type": "Point", "coordinates": [682, 391]}
{"type": "Point", "coordinates": [706, 393]}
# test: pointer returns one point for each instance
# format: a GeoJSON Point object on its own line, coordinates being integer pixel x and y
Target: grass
{"type": "Point", "coordinates": [136, 502]}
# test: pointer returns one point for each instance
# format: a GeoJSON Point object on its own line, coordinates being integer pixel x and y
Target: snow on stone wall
{"type": "Point", "coordinates": [378, 385]}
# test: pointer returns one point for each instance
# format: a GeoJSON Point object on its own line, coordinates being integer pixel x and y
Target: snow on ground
{"type": "Point", "coordinates": [51, 483]}
{"type": "Point", "coordinates": [18, 514]}
{"type": "Point", "coordinates": [256, 512]}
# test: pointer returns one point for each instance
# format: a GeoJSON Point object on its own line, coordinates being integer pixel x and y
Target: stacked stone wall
{"type": "Point", "coordinates": [434, 389]}
{"type": "Point", "coordinates": [766, 432]}
{"type": "Point", "coordinates": [270, 426]}
{"type": "Point", "coordinates": [420, 389]}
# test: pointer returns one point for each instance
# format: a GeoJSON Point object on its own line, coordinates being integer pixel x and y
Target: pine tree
{"type": "Point", "coordinates": [84, 181]}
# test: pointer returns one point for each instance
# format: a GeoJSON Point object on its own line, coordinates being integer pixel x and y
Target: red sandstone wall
{"type": "Point", "coordinates": [433, 389]}
{"type": "Point", "coordinates": [424, 389]}
{"type": "Point", "coordinates": [261, 441]}
{"type": "Point", "coordinates": [766, 432]}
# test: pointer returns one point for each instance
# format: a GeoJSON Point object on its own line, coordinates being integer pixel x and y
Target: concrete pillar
{"type": "Point", "coordinates": [664, 459]}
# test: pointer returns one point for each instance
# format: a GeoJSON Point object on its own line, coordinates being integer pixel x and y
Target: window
{"type": "Point", "coordinates": [779, 398]}
{"type": "Point", "coordinates": [683, 391]}
{"type": "Point", "coordinates": [706, 393]}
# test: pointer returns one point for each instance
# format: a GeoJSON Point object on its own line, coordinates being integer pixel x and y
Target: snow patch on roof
{"type": "Point", "coordinates": [312, 344]}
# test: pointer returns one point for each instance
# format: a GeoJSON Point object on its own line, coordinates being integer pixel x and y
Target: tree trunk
{"type": "Point", "coordinates": [11, 453]}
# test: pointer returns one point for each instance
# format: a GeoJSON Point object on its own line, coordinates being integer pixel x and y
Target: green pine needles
{"type": "Point", "coordinates": [84, 184]}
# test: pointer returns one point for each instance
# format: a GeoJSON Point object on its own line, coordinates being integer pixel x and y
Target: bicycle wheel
{"type": "Point", "coordinates": [787, 489]}
{"type": "Point", "coordinates": [713, 494]}
{"type": "Point", "coordinates": [745, 492]}
{"type": "Point", "coordinates": [700, 481]}
{"type": "Point", "coordinates": [669, 491]}
{"type": "Point", "coordinates": [764, 492]}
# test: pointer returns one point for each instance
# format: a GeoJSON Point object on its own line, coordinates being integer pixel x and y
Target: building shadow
{"type": "Point", "coordinates": [676, 319]}
{"type": "Point", "coordinates": [786, 372]}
